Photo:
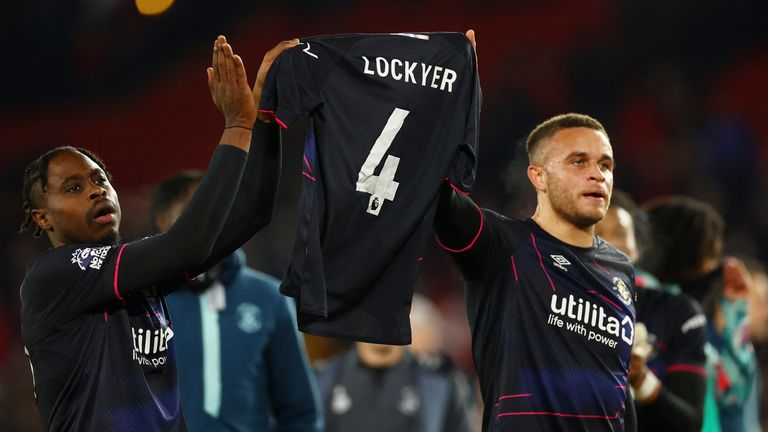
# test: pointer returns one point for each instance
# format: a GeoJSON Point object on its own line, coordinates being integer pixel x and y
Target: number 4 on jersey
{"type": "Point", "coordinates": [382, 186]}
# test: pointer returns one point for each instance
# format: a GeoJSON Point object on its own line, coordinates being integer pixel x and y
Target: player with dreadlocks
{"type": "Point", "coordinates": [94, 321]}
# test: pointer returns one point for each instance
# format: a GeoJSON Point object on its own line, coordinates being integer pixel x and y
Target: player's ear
{"type": "Point", "coordinates": [538, 178]}
{"type": "Point", "coordinates": [40, 216]}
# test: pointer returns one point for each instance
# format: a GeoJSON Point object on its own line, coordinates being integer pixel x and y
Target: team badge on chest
{"type": "Point", "coordinates": [621, 288]}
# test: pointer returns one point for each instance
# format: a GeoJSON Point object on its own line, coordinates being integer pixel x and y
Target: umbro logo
{"type": "Point", "coordinates": [560, 262]}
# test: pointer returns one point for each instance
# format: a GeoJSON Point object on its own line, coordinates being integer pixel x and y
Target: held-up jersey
{"type": "Point", "coordinates": [392, 116]}
{"type": "Point", "coordinates": [100, 362]}
{"type": "Point", "coordinates": [552, 327]}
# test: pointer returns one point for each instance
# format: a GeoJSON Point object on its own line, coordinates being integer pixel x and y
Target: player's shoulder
{"type": "Point", "coordinates": [607, 252]}
{"type": "Point", "coordinates": [67, 259]}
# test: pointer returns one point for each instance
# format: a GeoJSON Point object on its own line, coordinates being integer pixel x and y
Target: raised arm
{"type": "Point", "coordinates": [256, 195]}
{"type": "Point", "coordinates": [191, 240]}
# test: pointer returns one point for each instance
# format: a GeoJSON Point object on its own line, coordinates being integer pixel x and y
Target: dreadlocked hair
{"type": "Point", "coordinates": [684, 232]}
{"type": "Point", "coordinates": [36, 173]}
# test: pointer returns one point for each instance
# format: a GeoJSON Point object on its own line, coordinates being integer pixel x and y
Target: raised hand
{"type": "Point", "coordinates": [266, 63]}
{"type": "Point", "coordinates": [228, 84]}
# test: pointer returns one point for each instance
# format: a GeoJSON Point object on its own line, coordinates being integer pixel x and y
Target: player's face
{"type": "Point", "coordinates": [579, 181]}
{"type": "Point", "coordinates": [618, 229]}
{"type": "Point", "coordinates": [80, 205]}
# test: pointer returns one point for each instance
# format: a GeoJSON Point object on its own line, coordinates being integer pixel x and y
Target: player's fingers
{"type": "Point", "coordinates": [229, 63]}
{"type": "Point", "coordinates": [220, 63]}
{"type": "Point", "coordinates": [213, 55]}
{"type": "Point", "coordinates": [272, 54]}
{"type": "Point", "coordinates": [211, 74]}
{"type": "Point", "coordinates": [470, 34]}
{"type": "Point", "coordinates": [240, 70]}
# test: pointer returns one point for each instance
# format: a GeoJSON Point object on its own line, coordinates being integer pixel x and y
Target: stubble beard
{"type": "Point", "coordinates": [565, 207]}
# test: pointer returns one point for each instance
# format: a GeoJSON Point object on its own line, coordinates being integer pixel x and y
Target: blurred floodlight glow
{"type": "Point", "coordinates": [153, 7]}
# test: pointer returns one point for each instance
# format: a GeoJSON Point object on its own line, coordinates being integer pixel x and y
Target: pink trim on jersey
{"type": "Point", "coordinates": [454, 187]}
{"type": "Point", "coordinates": [514, 267]}
{"type": "Point", "coordinates": [117, 269]}
{"type": "Point", "coordinates": [308, 176]}
{"type": "Point", "coordinates": [541, 261]}
{"type": "Point", "coordinates": [106, 317]}
{"type": "Point", "coordinates": [622, 387]}
{"type": "Point", "coordinates": [698, 370]}
{"type": "Point", "coordinates": [472, 243]}
{"type": "Point", "coordinates": [591, 292]}
{"type": "Point", "coordinates": [600, 267]}
{"type": "Point", "coordinates": [609, 301]}
{"type": "Point", "coordinates": [421, 258]}
{"type": "Point", "coordinates": [274, 115]}
{"type": "Point", "coordinates": [515, 396]}
{"type": "Point", "coordinates": [307, 163]}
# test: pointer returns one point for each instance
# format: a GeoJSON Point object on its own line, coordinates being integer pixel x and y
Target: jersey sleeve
{"type": "Point", "coordinates": [294, 82]}
{"type": "Point", "coordinates": [686, 351]}
{"type": "Point", "coordinates": [69, 280]}
{"type": "Point", "coordinates": [464, 168]}
{"type": "Point", "coordinates": [464, 229]}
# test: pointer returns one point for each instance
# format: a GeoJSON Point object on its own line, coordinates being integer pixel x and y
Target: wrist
{"type": "Point", "coordinates": [646, 389]}
{"type": "Point", "coordinates": [240, 122]}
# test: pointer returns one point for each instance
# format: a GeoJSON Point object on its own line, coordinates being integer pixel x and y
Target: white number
{"type": "Point", "coordinates": [382, 186]}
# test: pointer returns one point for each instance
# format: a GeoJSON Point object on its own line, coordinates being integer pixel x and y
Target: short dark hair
{"type": "Point", "coordinates": [170, 191]}
{"type": "Point", "coordinates": [557, 123]}
{"type": "Point", "coordinates": [684, 232]}
{"type": "Point", "coordinates": [36, 173]}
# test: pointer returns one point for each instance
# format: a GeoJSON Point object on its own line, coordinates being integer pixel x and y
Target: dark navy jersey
{"type": "Point", "coordinates": [392, 116]}
{"type": "Point", "coordinates": [100, 361]}
{"type": "Point", "coordinates": [552, 327]}
{"type": "Point", "coordinates": [677, 332]}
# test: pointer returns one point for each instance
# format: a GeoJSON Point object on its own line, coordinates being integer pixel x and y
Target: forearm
{"type": "Point", "coordinates": [191, 239]}
{"type": "Point", "coordinates": [679, 405]}
{"type": "Point", "coordinates": [256, 195]}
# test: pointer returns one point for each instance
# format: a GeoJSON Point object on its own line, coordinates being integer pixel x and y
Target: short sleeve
{"type": "Point", "coordinates": [464, 168]}
{"type": "Point", "coordinates": [294, 83]}
{"type": "Point", "coordinates": [686, 351]}
{"type": "Point", "coordinates": [70, 280]}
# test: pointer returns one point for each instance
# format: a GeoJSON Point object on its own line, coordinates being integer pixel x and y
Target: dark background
{"type": "Point", "coordinates": [680, 86]}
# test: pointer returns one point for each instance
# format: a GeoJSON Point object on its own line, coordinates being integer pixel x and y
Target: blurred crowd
{"type": "Point", "coordinates": [680, 86]}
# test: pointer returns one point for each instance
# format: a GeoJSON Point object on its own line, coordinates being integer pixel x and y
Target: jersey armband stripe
{"type": "Point", "coordinates": [456, 188]}
{"type": "Point", "coordinates": [600, 267]}
{"type": "Point", "coordinates": [305, 174]}
{"type": "Point", "coordinates": [514, 267]}
{"type": "Point", "coordinates": [698, 370]}
{"type": "Point", "coordinates": [274, 115]}
{"type": "Point", "coordinates": [472, 243]}
{"type": "Point", "coordinates": [117, 269]}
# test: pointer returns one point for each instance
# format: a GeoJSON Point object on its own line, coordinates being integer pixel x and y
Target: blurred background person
{"type": "Point", "coordinates": [667, 372]}
{"type": "Point", "coordinates": [384, 388]}
{"type": "Point", "coordinates": [241, 360]}
{"type": "Point", "coordinates": [686, 254]}
{"type": "Point", "coordinates": [758, 332]}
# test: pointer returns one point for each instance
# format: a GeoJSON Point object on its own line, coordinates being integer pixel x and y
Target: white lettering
{"type": "Point", "coordinates": [395, 75]}
{"type": "Point", "coordinates": [382, 66]}
{"type": "Point", "coordinates": [436, 76]}
{"type": "Point", "coordinates": [409, 68]}
{"type": "Point", "coordinates": [602, 322]}
{"type": "Point", "coordinates": [449, 78]}
{"type": "Point", "coordinates": [425, 69]}
{"type": "Point", "coordinates": [366, 68]}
